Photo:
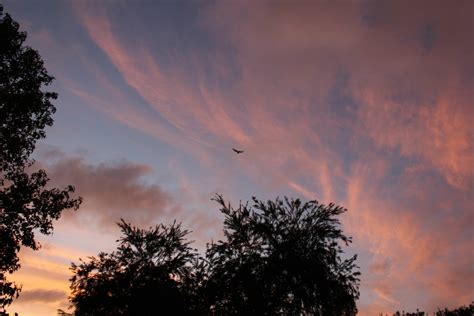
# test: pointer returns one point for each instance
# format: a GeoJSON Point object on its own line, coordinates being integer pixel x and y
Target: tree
{"type": "Point", "coordinates": [460, 311]}
{"type": "Point", "coordinates": [25, 110]}
{"type": "Point", "coordinates": [149, 274]}
{"type": "Point", "coordinates": [281, 257]}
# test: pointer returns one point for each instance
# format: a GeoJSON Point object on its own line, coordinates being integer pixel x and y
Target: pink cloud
{"type": "Point", "coordinates": [406, 254]}
{"type": "Point", "coordinates": [180, 104]}
{"type": "Point", "coordinates": [286, 46]}
{"type": "Point", "coordinates": [199, 111]}
{"type": "Point", "coordinates": [440, 134]}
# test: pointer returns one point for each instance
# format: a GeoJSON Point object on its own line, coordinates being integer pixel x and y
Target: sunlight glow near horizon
{"type": "Point", "coordinates": [365, 104]}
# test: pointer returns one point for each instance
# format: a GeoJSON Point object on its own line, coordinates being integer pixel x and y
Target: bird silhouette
{"type": "Point", "coordinates": [237, 151]}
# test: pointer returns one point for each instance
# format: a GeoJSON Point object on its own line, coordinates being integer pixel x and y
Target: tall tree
{"type": "Point", "coordinates": [26, 205]}
{"type": "Point", "coordinates": [149, 274]}
{"type": "Point", "coordinates": [281, 257]}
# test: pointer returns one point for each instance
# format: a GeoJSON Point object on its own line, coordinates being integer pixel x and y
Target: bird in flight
{"type": "Point", "coordinates": [237, 151]}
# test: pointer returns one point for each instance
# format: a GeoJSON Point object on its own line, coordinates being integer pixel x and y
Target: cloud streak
{"type": "Point", "coordinates": [41, 295]}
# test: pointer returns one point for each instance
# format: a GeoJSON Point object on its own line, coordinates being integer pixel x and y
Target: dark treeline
{"type": "Point", "coordinates": [460, 311]}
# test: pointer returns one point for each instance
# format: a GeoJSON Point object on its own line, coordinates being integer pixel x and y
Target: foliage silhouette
{"type": "Point", "coordinates": [460, 311]}
{"type": "Point", "coordinates": [147, 275]}
{"type": "Point", "coordinates": [25, 110]}
{"type": "Point", "coordinates": [281, 257]}
{"type": "Point", "coordinates": [278, 257]}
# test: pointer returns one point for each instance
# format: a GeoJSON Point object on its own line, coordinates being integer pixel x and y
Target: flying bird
{"type": "Point", "coordinates": [237, 151]}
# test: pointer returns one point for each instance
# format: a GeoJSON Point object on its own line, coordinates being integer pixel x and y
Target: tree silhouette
{"type": "Point", "coordinates": [25, 110]}
{"type": "Point", "coordinates": [147, 275]}
{"type": "Point", "coordinates": [281, 257]}
{"type": "Point", "coordinates": [460, 311]}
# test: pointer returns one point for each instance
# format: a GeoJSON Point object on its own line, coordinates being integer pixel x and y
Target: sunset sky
{"type": "Point", "coordinates": [367, 104]}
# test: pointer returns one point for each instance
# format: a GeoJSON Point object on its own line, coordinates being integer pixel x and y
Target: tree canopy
{"type": "Point", "coordinates": [278, 257]}
{"type": "Point", "coordinates": [25, 111]}
{"type": "Point", "coordinates": [149, 272]}
{"type": "Point", "coordinates": [281, 257]}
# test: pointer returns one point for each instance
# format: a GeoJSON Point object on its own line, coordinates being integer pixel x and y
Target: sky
{"type": "Point", "coordinates": [367, 104]}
